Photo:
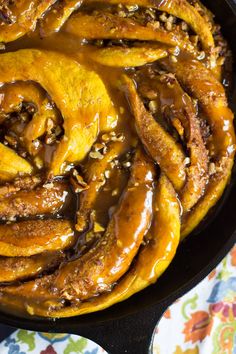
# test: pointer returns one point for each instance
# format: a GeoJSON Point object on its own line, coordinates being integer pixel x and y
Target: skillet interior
{"type": "Point", "coordinates": [195, 259]}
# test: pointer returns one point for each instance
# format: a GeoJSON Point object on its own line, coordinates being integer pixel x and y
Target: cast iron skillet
{"type": "Point", "coordinates": [127, 327]}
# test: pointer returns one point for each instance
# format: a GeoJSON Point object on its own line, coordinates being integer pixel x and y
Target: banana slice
{"type": "Point", "coordinates": [26, 238]}
{"type": "Point", "coordinates": [21, 268]}
{"type": "Point", "coordinates": [181, 9]}
{"type": "Point", "coordinates": [11, 164]}
{"type": "Point", "coordinates": [160, 144]}
{"type": "Point", "coordinates": [127, 56]}
{"type": "Point", "coordinates": [23, 17]}
{"type": "Point", "coordinates": [108, 26]}
{"type": "Point", "coordinates": [79, 94]}
{"type": "Point", "coordinates": [203, 85]}
{"type": "Point", "coordinates": [54, 19]}
{"type": "Point", "coordinates": [153, 259]}
{"type": "Point", "coordinates": [46, 199]}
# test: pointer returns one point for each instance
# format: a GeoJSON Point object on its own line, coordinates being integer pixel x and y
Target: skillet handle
{"type": "Point", "coordinates": [130, 335]}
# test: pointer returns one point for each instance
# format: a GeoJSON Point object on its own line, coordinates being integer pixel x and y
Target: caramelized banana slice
{"type": "Point", "coordinates": [19, 268]}
{"type": "Point", "coordinates": [180, 106]}
{"type": "Point", "coordinates": [95, 178]}
{"type": "Point", "coordinates": [99, 268]}
{"type": "Point", "coordinates": [181, 9]}
{"type": "Point", "coordinates": [79, 94]}
{"type": "Point", "coordinates": [23, 19]}
{"type": "Point", "coordinates": [12, 164]}
{"type": "Point", "coordinates": [12, 97]}
{"type": "Point", "coordinates": [197, 172]}
{"type": "Point", "coordinates": [108, 26]}
{"type": "Point", "coordinates": [152, 261]}
{"type": "Point", "coordinates": [210, 93]}
{"type": "Point", "coordinates": [127, 56]}
{"type": "Point", "coordinates": [57, 16]}
{"type": "Point", "coordinates": [27, 238]}
{"type": "Point", "coordinates": [46, 199]}
{"type": "Point", "coordinates": [26, 183]}
{"type": "Point", "coordinates": [160, 145]}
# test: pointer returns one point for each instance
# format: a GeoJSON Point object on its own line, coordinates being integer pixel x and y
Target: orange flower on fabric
{"type": "Point", "coordinates": [167, 314]}
{"type": "Point", "coordinates": [233, 256]}
{"type": "Point", "coordinates": [198, 327]}
{"type": "Point", "coordinates": [212, 274]}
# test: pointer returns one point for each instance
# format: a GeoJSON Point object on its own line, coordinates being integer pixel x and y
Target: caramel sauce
{"type": "Point", "coordinates": [78, 51]}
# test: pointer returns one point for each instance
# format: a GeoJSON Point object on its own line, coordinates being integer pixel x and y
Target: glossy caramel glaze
{"type": "Point", "coordinates": [46, 199]}
{"type": "Point", "coordinates": [115, 139]}
{"type": "Point", "coordinates": [19, 268]}
{"type": "Point", "coordinates": [26, 238]}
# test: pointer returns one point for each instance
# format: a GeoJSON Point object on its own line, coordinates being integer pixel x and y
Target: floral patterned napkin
{"type": "Point", "coordinates": [201, 322]}
{"type": "Point", "coordinates": [204, 320]}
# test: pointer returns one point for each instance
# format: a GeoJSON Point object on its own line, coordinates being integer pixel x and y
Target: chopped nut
{"type": "Point", "coordinates": [37, 144]}
{"type": "Point", "coordinates": [168, 26]}
{"type": "Point", "coordinates": [127, 164]}
{"type": "Point", "coordinates": [171, 19]}
{"type": "Point", "coordinates": [212, 168]}
{"type": "Point", "coordinates": [112, 164]}
{"type": "Point", "coordinates": [98, 147]}
{"type": "Point", "coordinates": [105, 137]}
{"type": "Point", "coordinates": [153, 106]}
{"type": "Point", "coordinates": [107, 173]}
{"type": "Point", "coordinates": [154, 24]}
{"type": "Point", "coordinates": [173, 59]}
{"type": "Point", "coordinates": [168, 78]}
{"type": "Point", "coordinates": [78, 182]}
{"type": "Point", "coordinates": [2, 46]}
{"type": "Point", "coordinates": [121, 14]}
{"type": "Point", "coordinates": [132, 8]}
{"type": "Point", "coordinates": [184, 26]}
{"type": "Point", "coordinates": [50, 125]}
{"type": "Point", "coordinates": [118, 137]}
{"type": "Point", "coordinates": [119, 243]}
{"type": "Point", "coordinates": [220, 61]}
{"type": "Point", "coordinates": [48, 185]}
{"type": "Point", "coordinates": [187, 161]}
{"type": "Point", "coordinates": [96, 155]}
{"type": "Point", "coordinates": [150, 13]}
{"type": "Point", "coordinates": [30, 309]}
{"type": "Point", "coordinates": [97, 227]}
{"type": "Point", "coordinates": [201, 55]}
{"type": "Point", "coordinates": [163, 17]}
{"type": "Point", "coordinates": [115, 192]}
